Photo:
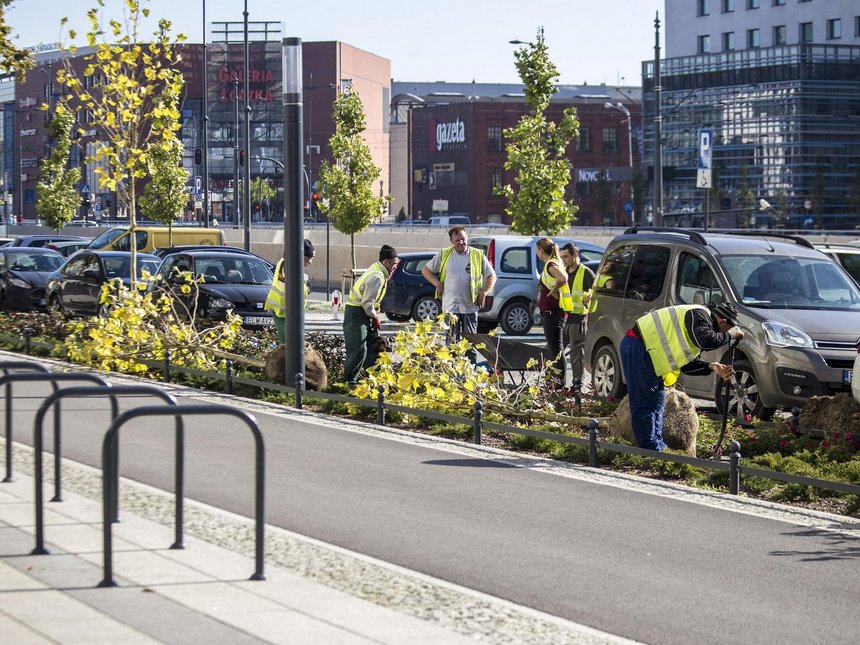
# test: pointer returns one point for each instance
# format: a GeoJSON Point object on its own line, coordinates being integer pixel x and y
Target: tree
{"type": "Point", "coordinates": [347, 185]}
{"type": "Point", "coordinates": [12, 59]}
{"type": "Point", "coordinates": [537, 150]}
{"type": "Point", "coordinates": [261, 190]}
{"type": "Point", "coordinates": [131, 90]}
{"type": "Point", "coordinates": [746, 199]}
{"type": "Point", "coordinates": [58, 191]}
{"type": "Point", "coordinates": [165, 195]}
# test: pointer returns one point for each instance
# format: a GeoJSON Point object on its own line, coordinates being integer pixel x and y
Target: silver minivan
{"type": "Point", "coordinates": [514, 259]}
{"type": "Point", "coordinates": [799, 310]}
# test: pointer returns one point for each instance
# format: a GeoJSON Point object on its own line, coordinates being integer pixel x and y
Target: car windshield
{"type": "Point", "coordinates": [23, 262]}
{"type": "Point", "coordinates": [234, 270]}
{"type": "Point", "coordinates": [118, 267]}
{"type": "Point", "coordinates": [105, 238]}
{"type": "Point", "coordinates": [785, 282]}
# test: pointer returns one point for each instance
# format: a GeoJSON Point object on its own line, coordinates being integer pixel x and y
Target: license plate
{"type": "Point", "coordinates": [847, 376]}
{"type": "Point", "coordinates": [261, 321]}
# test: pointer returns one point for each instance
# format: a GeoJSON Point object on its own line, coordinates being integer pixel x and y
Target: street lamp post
{"type": "Point", "coordinates": [246, 192]}
{"type": "Point", "coordinates": [623, 108]}
{"type": "Point", "coordinates": [203, 77]}
{"type": "Point", "coordinates": [236, 150]}
{"type": "Point", "coordinates": [658, 128]}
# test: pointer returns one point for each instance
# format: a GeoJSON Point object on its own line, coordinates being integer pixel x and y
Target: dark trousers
{"type": "Point", "coordinates": [359, 336]}
{"type": "Point", "coordinates": [645, 393]}
{"type": "Point", "coordinates": [575, 329]}
{"type": "Point", "coordinates": [553, 331]}
{"type": "Point", "coordinates": [466, 324]}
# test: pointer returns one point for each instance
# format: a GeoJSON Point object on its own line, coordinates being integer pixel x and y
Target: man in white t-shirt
{"type": "Point", "coordinates": [462, 276]}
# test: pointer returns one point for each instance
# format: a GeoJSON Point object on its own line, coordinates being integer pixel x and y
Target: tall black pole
{"type": "Point", "coordinates": [246, 192]}
{"type": "Point", "coordinates": [204, 77]}
{"type": "Point", "coordinates": [294, 324]}
{"type": "Point", "coordinates": [658, 128]}
{"type": "Point", "coordinates": [236, 150]}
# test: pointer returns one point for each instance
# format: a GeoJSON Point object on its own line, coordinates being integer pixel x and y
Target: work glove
{"type": "Point", "coordinates": [735, 333]}
{"type": "Point", "coordinates": [376, 323]}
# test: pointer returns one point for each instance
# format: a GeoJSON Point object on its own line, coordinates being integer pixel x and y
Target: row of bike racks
{"type": "Point", "coordinates": [31, 371]}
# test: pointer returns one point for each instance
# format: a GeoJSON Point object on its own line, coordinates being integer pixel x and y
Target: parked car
{"type": "Point", "coordinates": [24, 273]}
{"type": "Point", "coordinates": [512, 301]}
{"type": "Point", "coordinates": [164, 251]}
{"type": "Point", "coordinates": [45, 240]}
{"type": "Point", "coordinates": [409, 295]}
{"type": "Point", "coordinates": [448, 221]}
{"type": "Point", "coordinates": [847, 255]}
{"type": "Point", "coordinates": [149, 238]}
{"type": "Point", "coordinates": [76, 287]}
{"type": "Point", "coordinates": [799, 310]}
{"type": "Point", "coordinates": [68, 248]}
{"type": "Point", "coordinates": [235, 282]}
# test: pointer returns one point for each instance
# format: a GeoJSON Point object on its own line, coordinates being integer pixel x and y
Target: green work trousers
{"type": "Point", "coordinates": [359, 336]}
{"type": "Point", "coordinates": [280, 324]}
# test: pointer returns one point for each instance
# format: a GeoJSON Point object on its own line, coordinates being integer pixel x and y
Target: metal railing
{"type": "Point", "coordinates": [5, 367]}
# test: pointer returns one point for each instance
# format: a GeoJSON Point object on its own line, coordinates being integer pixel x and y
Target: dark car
{"type": "Point", "coordinates": [67, 248]}
{"type": "Point", "coordinates": [76, 287]}
{"type": "Point", "coordinates": [45, 240]}
{"type": "Point", "coordinates": [23, 275]}
{"type": "Point", "coordinates": [164, 251]}
{"type": "Point", "coordinates": [236, 282]}
{"type": "Point", "coordinates": [409, 295]}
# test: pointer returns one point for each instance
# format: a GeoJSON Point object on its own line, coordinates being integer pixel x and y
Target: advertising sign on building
{"type": "Point", "coordinates": [451, 134]}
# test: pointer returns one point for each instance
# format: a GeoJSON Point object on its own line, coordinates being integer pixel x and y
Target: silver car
{"type": "Point", "coordinates": [799, 310]}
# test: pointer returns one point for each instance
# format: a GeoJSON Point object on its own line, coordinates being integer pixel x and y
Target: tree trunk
{"type": "Point", "coordinates": [132, 219]}
{"type": "Point", "coordinates": [352, 248]}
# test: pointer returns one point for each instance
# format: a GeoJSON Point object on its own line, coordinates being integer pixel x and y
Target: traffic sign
{"type": "Point", "coordinates": [703, 178]}
{"type": "Point", "coordinates": [628, 207]}
{"type": "Point", "coordinates": [85, 189]}
{"type": "Point", "coordinates": [706, 138]}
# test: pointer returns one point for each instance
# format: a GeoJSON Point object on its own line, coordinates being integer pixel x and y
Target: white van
{"type": "Point", "coordinates": [459, 219]}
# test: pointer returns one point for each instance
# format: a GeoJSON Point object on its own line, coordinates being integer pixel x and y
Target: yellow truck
{"type": "Point", "coordinates": [150, 238]}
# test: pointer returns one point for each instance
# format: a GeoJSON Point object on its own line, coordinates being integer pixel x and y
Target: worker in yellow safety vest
{"type": "Point", "coordinates": [554, 302]}
{"type": "Point", "coordinates": [661, 345]}
{"type": "Point", "coordinates": [276, 300]}
{"type": "Point", "coordinates": [580, 280]}
{"type": "Point", "coordinates": [361, 321]}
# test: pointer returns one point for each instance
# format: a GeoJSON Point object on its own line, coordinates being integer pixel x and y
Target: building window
{"type": "Point", "coordinates": [704, 44]}
{"type": "Point", "coordinates": [778, 3]}
{"type": "Point", "coordinates": [610, 139]}
{"type": "Point", "coordinates": [728, 6]}
{"type": "Point", "coordinates": [753, 39]}
{"type": "Point", "coordinates": [583, 141]}
{"type": "Point", "coordinates": [806, 32]}
{"type": "Point", "coordinates": [494, 139]}
{"type": "Point", "coordinates": [834, 29]}
{"type": "Point", "coordinates": [495, 179]}
{"type": "Point", "coordinates": [779, 35]}
{"type": "Point", "coordinates": [728, 41]}
{"type": "Point", "coordinates": [752, 4]}
{"type": "Point", "coordinates": [703, 7]}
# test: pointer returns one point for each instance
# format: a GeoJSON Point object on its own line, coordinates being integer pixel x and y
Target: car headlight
{"type": "Point", "coordinates": [21, 284]}
{"type": "Point", "coordinates": [220, 303]}
{"type": "Point", "coordinates": [781, 335]}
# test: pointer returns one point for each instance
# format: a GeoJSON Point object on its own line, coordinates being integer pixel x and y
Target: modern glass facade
{"type": "Point", "coordinates": [786, 124]}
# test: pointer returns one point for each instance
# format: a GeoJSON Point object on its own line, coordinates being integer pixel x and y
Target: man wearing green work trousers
{"type": "Point", "coordinates": [276, 301]}
{"type": "Point", "coordinates": [361, 315]}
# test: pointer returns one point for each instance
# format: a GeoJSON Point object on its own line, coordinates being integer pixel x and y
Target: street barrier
{"type": "Point", "coordinates": [112, 391]}
{"type": "Point", "coordinates": [110, 471]}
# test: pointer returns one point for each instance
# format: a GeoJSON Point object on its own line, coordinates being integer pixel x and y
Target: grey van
{"type": "Point", "coordinates": [513, 257]}
{"type": "Point", "coordinates": [800, 312]}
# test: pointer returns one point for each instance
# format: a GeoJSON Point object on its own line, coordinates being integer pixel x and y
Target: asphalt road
{"type": "Point", "coordinates": [651, 568]}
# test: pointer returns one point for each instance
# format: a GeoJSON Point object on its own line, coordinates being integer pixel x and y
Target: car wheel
{"type": "Point", "coordinates": [516, 319]}
{"type": "Point", "coordinates": [744, 396]}
{"type": "Point", "coordinates": [55, 307]}
{"type": "Point", "coordinates": [396, 317]}
{"type": "Point", "coordinates": [426, 308]}
{"type": "Point", "coordinates": [606, 375]}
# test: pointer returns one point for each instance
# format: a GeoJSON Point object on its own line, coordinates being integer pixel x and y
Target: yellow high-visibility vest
{"type": "Point", "coordinates": [276, 300]}
{"type": "Point", "coordinates": [667, 340]}
{"type": "Point", "coordinates": [549, 281]}
{"type": "Point", "coordinates": [577, 292]}
{"type": "Point", "coordinates": [476, 263]}
{"type": "Point", "coordinates": [357, 291]}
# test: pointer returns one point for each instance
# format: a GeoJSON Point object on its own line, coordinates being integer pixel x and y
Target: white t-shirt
{"type": "Point", "coordinates": [457, 296]}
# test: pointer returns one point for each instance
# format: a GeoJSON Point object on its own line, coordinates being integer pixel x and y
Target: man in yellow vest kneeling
{"type": "Point", "coordinates": [661, 345]}
{"type": "Point", "coordinates": [361, 315]}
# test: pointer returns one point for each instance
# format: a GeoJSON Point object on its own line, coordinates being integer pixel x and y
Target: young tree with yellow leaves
{"type": "Point", "coordinates": [130, 90]}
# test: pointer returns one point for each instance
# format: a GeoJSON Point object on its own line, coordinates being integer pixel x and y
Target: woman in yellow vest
{"type": "Point", "coordinates": [361, 315]}
{"type": "Point", "coordinates": [661, 345]}
{"type": "Point", "coordinates": [554, 302]}
{"type": "Point", "coordinates": [276, 300]}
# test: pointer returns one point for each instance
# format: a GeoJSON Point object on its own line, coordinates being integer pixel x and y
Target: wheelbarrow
{"type": "Point", "coordinates": [511, 356]}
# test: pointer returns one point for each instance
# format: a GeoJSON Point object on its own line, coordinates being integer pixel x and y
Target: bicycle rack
{"type": "Point", "coordinates": [5, 366]}
{"type": "Point", "coordinates": [31, 377]}
{"type": "Point", "coordinates": [110, 468]}
{"type": "Point", "coordinates": [113, 391]}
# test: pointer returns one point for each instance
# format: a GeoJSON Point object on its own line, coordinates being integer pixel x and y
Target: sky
{"type": "Point", "coordinates": [446, 40]}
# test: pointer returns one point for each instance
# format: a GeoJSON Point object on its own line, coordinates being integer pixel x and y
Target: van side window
{"type": "Point", "coordinates": [613, 272]}
{"type": "Point", "coordinates": [697, 284]}
{"type": "Point", "coordinates": [648, 273]}
{"type": "Point", "coordinates": [516, 260]}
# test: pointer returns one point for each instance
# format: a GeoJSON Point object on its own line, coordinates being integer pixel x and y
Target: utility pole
{"type": "Point", "coordinates": [658, 128]}
{"type": "Point", "coordinates": [246, 192]}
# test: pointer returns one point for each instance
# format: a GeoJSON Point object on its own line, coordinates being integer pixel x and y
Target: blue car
{"type": "Point", "coordinates": [408, 294]}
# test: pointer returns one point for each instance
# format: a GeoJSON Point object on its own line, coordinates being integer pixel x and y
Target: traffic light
{"type": "Point", "coordinates": [242, 157]}
{"type": "Point", "coordinates": [198, 156]}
